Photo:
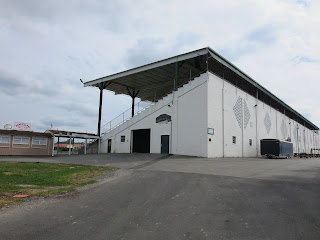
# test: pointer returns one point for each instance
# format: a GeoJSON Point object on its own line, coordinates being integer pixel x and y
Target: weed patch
{"type": "Point", "coordinates": [43, 179]}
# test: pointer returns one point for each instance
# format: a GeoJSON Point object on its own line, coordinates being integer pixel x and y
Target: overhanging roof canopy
{"type": "Point", "coordinates": [155, 80]}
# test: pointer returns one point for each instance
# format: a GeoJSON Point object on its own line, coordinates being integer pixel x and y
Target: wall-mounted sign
{"type": "Point", "coordinates": [22, 126]}
{"type": "Point", "coordinates": [210, 131]}
{"type": "Point", "coordinates": [163, 118]}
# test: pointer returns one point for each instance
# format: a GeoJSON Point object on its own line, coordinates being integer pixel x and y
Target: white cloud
{"type": "Point", "coordinates": [47, 46]}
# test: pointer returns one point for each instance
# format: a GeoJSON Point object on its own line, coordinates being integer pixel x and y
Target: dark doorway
{"type": "Point", "coordinates": [164, 143]}
{"type": "Point", "coordinates": [109, 145]}
{"type": "Point", "coordinates": [141, 141]}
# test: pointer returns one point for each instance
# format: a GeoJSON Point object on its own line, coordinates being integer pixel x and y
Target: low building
{"type": "Point", "coordinates": [15, 142]}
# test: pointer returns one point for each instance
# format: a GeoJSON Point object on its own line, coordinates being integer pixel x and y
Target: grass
{"type": "Point", "coordinates": [43, 179]}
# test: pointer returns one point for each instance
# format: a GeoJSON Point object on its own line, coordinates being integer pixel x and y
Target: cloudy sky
{"type": "Point", "coordinates": [46, 46]}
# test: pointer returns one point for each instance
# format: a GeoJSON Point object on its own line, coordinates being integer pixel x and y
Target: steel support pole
{"type": "Point", "coordinates": [85, 146]}
{"type": "Point", "coordinates": [52, 147]}
{"type": "Point", "coordinates": [100, 110]}
{"type": "Point", "coordinates": [133, 95]}
{"type": "Point", "coordinates": [72, 146]}
{"type": "Point", "coordinates": [132, 108]}
{"type": "Point", "coordinates": [69, 146]}
{"type": "Point", "coordinates": [175, 83]}
{"type": "Point", "coordinates": [58, 145]}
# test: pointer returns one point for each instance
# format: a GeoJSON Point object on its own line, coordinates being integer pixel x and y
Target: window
{"type": "Point", "coordinates": [39, 141]}
{"type": "Point", "coordinates": [234, 140]}
{"type": "Point", "coordinates": [21, 140]}
{"type": "Point", "coordinates": [123, 138]}
{"type": "Point", "coordinates": [250, 142]}
{"type": "Point", "coordinates": [4, 139]}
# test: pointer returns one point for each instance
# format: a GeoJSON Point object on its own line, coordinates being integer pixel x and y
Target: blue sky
{"type": "Point", "coordinates": [47, 46]}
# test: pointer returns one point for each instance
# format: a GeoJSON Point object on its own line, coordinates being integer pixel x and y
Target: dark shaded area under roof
{"type": "Point", "coordinates": [156, 80]}
{"type": "Point", "coordinates": [70, 134]}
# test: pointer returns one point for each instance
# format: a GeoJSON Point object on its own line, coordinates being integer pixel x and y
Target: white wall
{"type": "Point", "coordinates": [215, 116]}
{"type": "Point", "coordinates": [264, 122]}
{"type": "Point", "coordinates": [210, 102]}
{"type": "Point", "coordinates": [148, 122]}
{"type": "Point", "coordinates": [224, 100]}
{"type": "Point", "coordinates": [189, 122]}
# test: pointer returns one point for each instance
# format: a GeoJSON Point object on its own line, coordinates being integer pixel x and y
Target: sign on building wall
{"type": "Point", "coordinates": [22, 126]}
{"type": "Point", "coordinates": [163, 118]}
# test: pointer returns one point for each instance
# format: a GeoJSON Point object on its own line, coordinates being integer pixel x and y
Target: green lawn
{"type": "Point", "coordinates": [43, 179]}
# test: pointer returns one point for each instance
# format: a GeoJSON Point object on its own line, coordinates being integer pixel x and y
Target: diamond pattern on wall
{"type": "Point", "coordinates": [267, 122]}
{"type": "Point", "coordinates": [284, 129]}
{"type": "Point", "coordinates": [237, 109]}
{"type": "Point", "coordinates": [246, 114]}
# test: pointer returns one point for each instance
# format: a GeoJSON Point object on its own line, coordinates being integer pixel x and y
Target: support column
{"type": "Point", "coordinates": [72, 150]}
{"type": "Point", "coordinates": [58, 145]}
{"type": "Point", "coordinates": [132, 106]}
{"type": "Point", "coordinates": [69, 146]}
{"type": "Point", "coordinates": [100, 106]}
{"type": "Point", "coordinates": [85, 146]}
{"type": "Point", "coordinates": [52, 147]}
{"type": "Point", "coordinates": [101, 87]}
{"type": "Point", "coordinates": [175, 83]}
{"type": "Point", "coordinates": [177, 65]}
{"type": "Point", "coordinates": [133, 95]}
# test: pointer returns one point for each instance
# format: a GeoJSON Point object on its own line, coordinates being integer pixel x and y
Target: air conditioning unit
{"type": "Point", "coordinates": [8, 126]}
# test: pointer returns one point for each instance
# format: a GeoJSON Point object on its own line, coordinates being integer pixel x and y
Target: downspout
{"type": "Point", "coordinates": [276, 124]}
{"type": "Point", "coordinates": [242, 125]}
{"type": "Point", "coordinates": [223, 115]}
{"type": "Point", "coordinates": [257, 136]}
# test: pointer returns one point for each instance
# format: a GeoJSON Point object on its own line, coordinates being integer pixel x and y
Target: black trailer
{"type": "Point", "coordinates": [276, 148]}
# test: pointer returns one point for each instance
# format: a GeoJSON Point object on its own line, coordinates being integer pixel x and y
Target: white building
{"type": "Point", "coordinates": [201, 105]}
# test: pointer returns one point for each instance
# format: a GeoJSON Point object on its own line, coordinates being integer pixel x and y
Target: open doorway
{"type": "Point", "coordinates": [141, 141]}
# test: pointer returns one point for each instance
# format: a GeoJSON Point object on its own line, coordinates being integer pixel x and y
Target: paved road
{"type": "Point", "coordinates": [179, 198]}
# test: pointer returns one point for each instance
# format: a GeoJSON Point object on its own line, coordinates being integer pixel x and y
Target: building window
{"type": "Point", "coordinates": [123, 138]}
{"type": "Point", "coordinates": [21, 140]}
{"type": "Point", "coordinates": [250, 142]}
{"type": "Point", "coordinates": [4, 139]}
{"type": "Point", "coordinates": [234, 140]}
{"type": "Point", "coordinates": [39, 141]}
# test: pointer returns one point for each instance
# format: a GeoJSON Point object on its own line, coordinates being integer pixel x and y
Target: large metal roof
{"type": "Point", "coordinates": [155, 80]}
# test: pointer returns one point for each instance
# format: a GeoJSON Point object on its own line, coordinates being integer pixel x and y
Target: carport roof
{"type": "Point", "coordinates": [70, 134]}
{"type": "Point", "coordinates": [155, 80]}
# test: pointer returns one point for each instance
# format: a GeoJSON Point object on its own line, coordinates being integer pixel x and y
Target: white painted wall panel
{"type": "Point", "coordinates": [215, 115]}
{"type": "Point", "coordinates": [192, 122]}
{"type": "Point", "coordinates": [232, 98]}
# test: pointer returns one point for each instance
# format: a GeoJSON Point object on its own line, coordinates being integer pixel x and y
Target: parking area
{"type": "Point", "coordinates": [178, 197]}
{"type": "Point", "coordinates": [293, 169]}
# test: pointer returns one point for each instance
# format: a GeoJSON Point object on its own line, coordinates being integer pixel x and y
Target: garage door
{"type": "Point", "coordinates": [141, 141]}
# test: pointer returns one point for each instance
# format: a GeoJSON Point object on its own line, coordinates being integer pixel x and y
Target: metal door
{"type": "Point", "coordinates": [109, 145]}
{"type": "Point", "coordinates": [165, 144]}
